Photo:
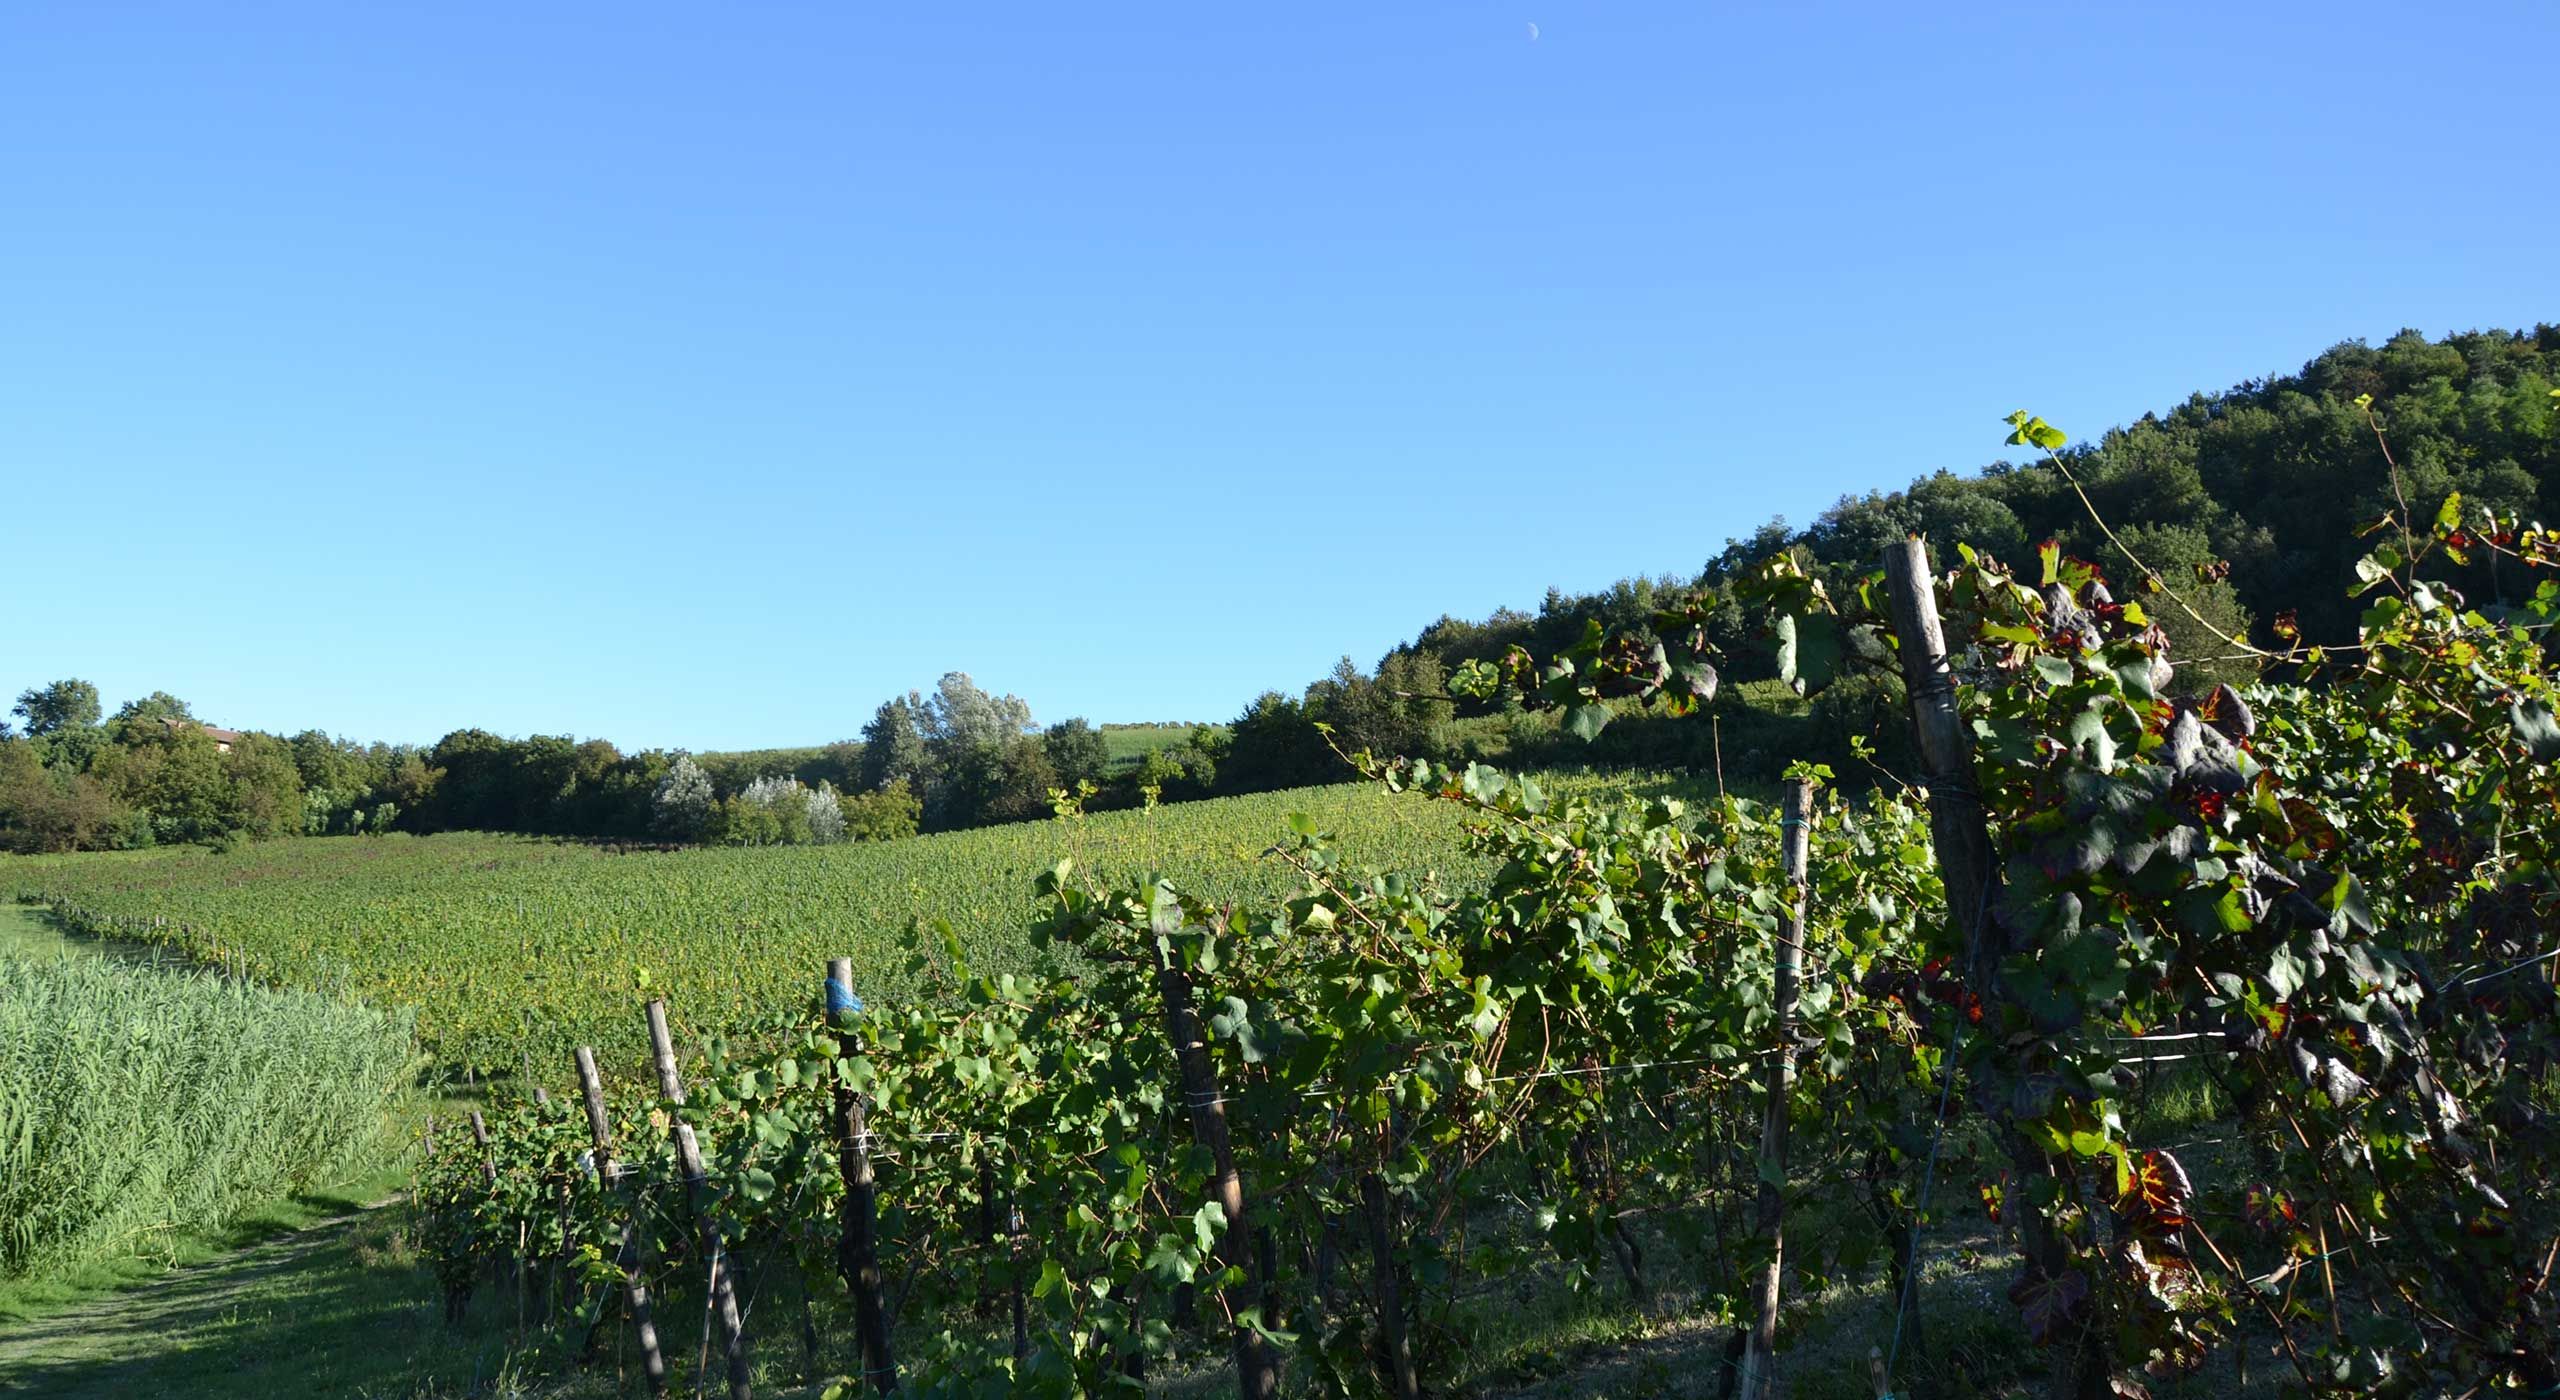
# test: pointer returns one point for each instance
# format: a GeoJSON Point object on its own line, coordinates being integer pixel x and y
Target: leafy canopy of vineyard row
{"type": "Point", "coordinates": [2339, 897]}
{"type": "Point", "coordinates": [1422, 1082]}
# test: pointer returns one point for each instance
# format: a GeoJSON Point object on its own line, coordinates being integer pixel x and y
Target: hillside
{"type": "Point", "coordinates": [2274, 477]}
{"type": "Point", "coordinates": [509, 946]}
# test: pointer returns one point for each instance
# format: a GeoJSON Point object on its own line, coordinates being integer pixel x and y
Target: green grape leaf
{"type": "Point", "coordinates": [1808, 651]}
{"type": "Point", "coordinates": [1587, 720]}
{"type": "Point", "coordinates": [2534, 724]}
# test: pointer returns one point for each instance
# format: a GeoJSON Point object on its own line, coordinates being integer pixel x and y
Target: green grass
{"type": "Point", "coordinates": [1755, 729]}
{"type": "Point", "coordinates": [341, 1309]}
{"type": "Point", "coordinates": [378, 1178]}
{"type": "Point", "coordinates": [135, 1103]}
{"type": "Point", "coordinates": [30, 932]}
{"type": "Point", "coordinates": [1128, 743]}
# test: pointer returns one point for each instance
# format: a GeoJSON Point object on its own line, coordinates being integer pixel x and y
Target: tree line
{"type": "Point", "coordinates": [73, 778]}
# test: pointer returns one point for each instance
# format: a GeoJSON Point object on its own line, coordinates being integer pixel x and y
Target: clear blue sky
{"type": "Point", "coordinates": [700, 375]}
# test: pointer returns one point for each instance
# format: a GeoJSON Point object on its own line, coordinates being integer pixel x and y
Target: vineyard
{"type": "Point", "coordinates": [1037, 1145]}
{"type": "Point", "coordinates": [1117, 1103]}
{"type": "Point", "coordinates": [1313, 1133]}
{"type": "Point", "coordinates": [510, 947]}
{"type": "Point", "coordinates": [1256, 703]}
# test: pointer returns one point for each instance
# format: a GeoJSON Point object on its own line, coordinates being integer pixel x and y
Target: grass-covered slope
{"type": "Point", "coordinates": [508, 946]}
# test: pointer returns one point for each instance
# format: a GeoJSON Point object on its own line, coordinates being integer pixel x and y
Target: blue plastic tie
{"type": "Point", "coordinates": [841, 1001]}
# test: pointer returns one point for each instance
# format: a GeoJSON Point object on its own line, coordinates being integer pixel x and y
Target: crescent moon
{"type": "Point", "coordinates": [1533, 33]}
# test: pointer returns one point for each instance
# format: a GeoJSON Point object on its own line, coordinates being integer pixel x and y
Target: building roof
{"type": "Point", "coordinates": [218, 735]}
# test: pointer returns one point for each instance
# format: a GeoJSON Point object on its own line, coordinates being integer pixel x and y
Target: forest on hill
{"type": "Point", "coordinates": [2247, 496]}
{"type": "Point", "coordinates": [2275, 477]}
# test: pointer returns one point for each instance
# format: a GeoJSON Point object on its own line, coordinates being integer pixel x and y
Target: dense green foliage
{"type": "Point", "coordinates": [1501, 1076]}
{"type": "Point", "coordinates": [1125, 744]}
{"type": "Point", "coordinates": [148, 775]}
{"type": "Point", "coordinates": [2352, 932]}
{"type": "Point", "coordinates": [2263, 487]}
{"type": "Point", "coordinates": [137, 1100]}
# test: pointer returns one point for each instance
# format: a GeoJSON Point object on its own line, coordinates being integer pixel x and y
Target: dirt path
{"type": "Point", "coordinates": [206, 1330]}
{"type": "Point", "coordinates": [339, 1308]}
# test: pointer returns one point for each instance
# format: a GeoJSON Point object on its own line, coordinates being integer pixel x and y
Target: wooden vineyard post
{"type": "Point", "coordinates": [1257, 1371]}
{"type": "Point", "coordinates": [1379, 1208]}
{"type": "Point", "coordinates": [1956, 821]}
{"type": "Point", "coordinates": [609, 1171]}
{"type": "Point", "coordinates": [1760, 1361]}
{"type": "Point", "coordinates": [1021, 1318]}
{"type": "Point", "coordinates": [480, 1139]}
{"type": "Point", "coordinates": [987, 1236]}
{"type": "Point", "coordinates": [858, 1246]}
{"type": "Point", "coordinates": [724, 1296]}
{"type": "Point", "coordinates": [1970, 870]}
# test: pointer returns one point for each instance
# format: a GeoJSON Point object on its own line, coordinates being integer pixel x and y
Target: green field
{"type": "Point", "coordinates": [1128, 743]}
{"type": "Point", "coordinates": [511, 947]}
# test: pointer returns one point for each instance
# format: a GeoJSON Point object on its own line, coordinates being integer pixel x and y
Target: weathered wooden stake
{"type": "Point", "coordinates": [858, 1246]}
{"type": "Point", "coordinates": [1257, 1371]}
{"type": "Point", "coordinates": [480, 1139]}
{"type": "Point", "coordinates": [988, 1235]}
{"type": "Point", "coordinates": [1760, 1362]}
{"type": "Point", "coordinates": [1328, 1252]}
{"type": "Point", "coordinates": [724, 1298]}
{"type": "Point", "coordinates": [635, 1289]}
{"type": "Point", "coordinates": [809, 1343]}
{"type": "Point", "coordinates": [1021, 1316]}
{"type": "Point", "coordinates": [1382, 1264]}
{"type": "Point", "coordinates": [1970, 870]}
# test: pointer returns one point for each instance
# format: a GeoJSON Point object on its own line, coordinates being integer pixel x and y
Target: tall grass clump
{"type": "Point", "coordinates": [135, 1102]}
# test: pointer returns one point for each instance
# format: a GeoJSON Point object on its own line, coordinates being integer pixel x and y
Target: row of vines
{"type": "Point", "coordinates": [1313, 1125]}
{"type": "Point", "coordinates": [1309, 1131]}
{"type": "Point", "coordinates": [509, 947]}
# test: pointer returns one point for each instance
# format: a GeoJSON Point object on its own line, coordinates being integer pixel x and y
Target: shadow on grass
{"type": "Point", "coordinates": [336, 1310]}
{"type": "Point", "coordinates": [349, 1308]}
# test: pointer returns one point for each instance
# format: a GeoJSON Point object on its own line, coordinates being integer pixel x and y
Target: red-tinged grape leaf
{"type": "Point", "coordinates": [2048, 1306]}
